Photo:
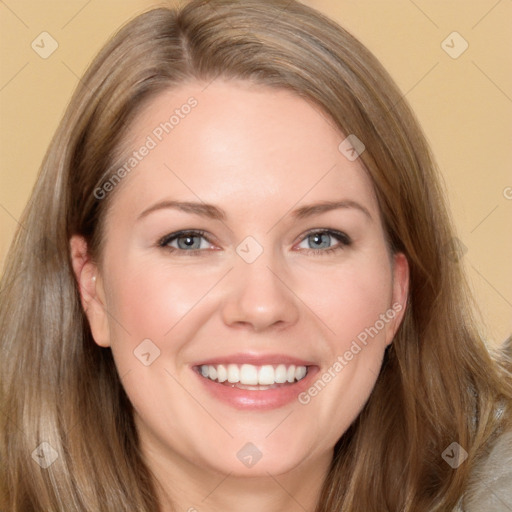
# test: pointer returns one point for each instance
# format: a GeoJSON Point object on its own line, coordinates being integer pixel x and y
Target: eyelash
{"type": "Point", "coordinates": [341, 237]}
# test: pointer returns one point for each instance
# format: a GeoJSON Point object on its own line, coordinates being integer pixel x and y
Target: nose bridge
{"type": "Point", "coordinates": [256, 293]}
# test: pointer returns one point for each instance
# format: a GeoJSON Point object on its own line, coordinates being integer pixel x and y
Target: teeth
{"type": "Point", "coordinates": [250, 375]}
{"type": "Point", "coordinates": [266, 375]}
{"type": "Point", "coordinates": [300, 372]}
{"type": "Point", "coordinates": [233, 373]}
{"type": "Point", "coordinates": [222, 373]}
{"type": "Point", "coordinates": [280, 374]}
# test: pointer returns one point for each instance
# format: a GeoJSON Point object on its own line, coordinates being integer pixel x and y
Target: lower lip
{"type": "Point", "coordinates": [258, 399]}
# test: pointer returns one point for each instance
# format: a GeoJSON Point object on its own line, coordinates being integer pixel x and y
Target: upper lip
{"type": "Point", "coordinates": [255, 359]}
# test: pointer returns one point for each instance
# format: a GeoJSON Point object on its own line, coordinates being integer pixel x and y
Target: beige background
{"type": "Point", "coordinates": [464, 105]}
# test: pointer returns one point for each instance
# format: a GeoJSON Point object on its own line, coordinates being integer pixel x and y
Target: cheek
{"type": "Point", "coordinates": [155, 298]}
{"type": "Point", "coordinates": [355, 303]}
{"type": "Point", "coordinates": [350, 299]}
{"type": "Point", "coordinates": [156, 303]}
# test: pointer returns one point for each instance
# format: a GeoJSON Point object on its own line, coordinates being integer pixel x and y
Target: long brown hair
{"type": "Point", "coordinates": [438, 383]}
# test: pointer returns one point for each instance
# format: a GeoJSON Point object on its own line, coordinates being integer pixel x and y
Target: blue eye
{"type": "Point", "coordinates": [192, 242]}
{"type": "Point", "coordinates": [187, 241]}
{"type": "Point", "coordinates": [320, 241]}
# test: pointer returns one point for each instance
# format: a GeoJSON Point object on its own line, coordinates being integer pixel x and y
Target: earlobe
{"type": "Point", "coordinates": [91, 290]}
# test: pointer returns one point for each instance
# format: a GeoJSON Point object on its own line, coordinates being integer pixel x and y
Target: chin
{"type": "Point", "coordinates": [260, 457]}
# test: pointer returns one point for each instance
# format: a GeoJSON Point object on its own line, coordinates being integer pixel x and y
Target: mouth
{"type": "Point", "coordinates": [252, 377]}
{"type": "Point", "coordinates": [252, 382]}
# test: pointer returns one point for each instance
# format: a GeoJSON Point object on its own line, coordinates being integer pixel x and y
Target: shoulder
{"type": "Point", "coordinates": [490, 485]}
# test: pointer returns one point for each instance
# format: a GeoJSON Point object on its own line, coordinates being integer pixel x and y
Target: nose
{"type": "Point", "coordinates": [258, 296]}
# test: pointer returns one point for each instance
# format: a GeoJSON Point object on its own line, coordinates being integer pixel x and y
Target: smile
{"type": "Point", "coordinates": [248, 376]}
{"type": "Point", "coordinates": [251, 381]}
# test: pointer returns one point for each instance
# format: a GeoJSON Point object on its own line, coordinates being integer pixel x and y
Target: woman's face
{"type": "Point", "coordinates": [244, 245]}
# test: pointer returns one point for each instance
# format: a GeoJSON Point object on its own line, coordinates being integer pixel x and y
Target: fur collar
{"type": "Point", "coordinates": [490, 485]}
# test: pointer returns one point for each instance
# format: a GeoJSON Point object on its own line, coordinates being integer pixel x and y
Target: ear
{"type": "Point", "coordinates": [91, 290]}
{"type": "Point", "coordinates": [400, 293]}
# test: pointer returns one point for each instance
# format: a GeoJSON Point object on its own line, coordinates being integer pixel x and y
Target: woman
{"type": "Point", "coordinates": [232, 287]}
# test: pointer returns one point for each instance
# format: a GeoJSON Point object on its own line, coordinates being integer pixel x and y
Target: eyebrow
{"type": "Point", "coordinates": [214, 212]}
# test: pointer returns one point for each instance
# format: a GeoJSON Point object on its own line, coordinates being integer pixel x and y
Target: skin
{"type": "Point", "coordinates": [258, 154]}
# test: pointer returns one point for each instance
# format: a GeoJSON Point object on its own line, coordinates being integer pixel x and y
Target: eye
{"type": "Point", "coordinates": [321, 241]}
{"type": "Point", "coordinates": [195, 241]}
{"type": "Point", "coordinates": [186, 241]}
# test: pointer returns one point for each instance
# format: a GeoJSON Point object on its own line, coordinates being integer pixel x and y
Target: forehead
{"type": "Point", "coordinates": [239, 142]}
